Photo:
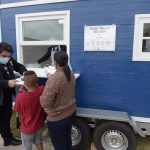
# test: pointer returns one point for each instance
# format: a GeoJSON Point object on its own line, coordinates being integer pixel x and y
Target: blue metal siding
{"type": "Point", "coordinates": [109, 80]}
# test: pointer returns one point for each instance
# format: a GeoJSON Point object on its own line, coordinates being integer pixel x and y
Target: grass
{"type": "Point", "coordinates": [142, 143]}
{"type": "Point", "coordinates": [15, 131]}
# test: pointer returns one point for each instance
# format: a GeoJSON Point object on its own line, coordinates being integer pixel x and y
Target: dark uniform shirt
{"type": "Point", "coordinates": [7, 73]}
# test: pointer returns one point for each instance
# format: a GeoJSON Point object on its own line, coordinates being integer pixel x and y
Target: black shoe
{"type": "Point", "coordinates": [12, 142]}
{"type": "Point", "coordinates": [16, 139]}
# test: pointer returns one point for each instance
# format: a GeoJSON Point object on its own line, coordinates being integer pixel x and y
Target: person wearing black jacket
{"type": "Point", "coordinates": [48, 54]}
{"type": "Point", "coordinates": [7, 89]}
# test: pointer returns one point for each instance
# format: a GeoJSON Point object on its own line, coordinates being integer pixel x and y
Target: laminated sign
{"type": "Point", "coordinates": [99, 38]}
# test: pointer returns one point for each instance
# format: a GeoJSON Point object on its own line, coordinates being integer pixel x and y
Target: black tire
{"type": "Point", "coordinates": [114, 133]}
{"type": "Point", "coordinates": [81, 134]}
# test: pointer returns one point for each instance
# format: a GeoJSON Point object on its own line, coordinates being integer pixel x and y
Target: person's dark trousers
{"type": "Point", "coordinates": [5, 116]}
{"type": "Point", "coordinates": [60, 133]}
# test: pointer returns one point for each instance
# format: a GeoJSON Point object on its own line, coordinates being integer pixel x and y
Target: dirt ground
{"type": "Point", "coordinates": [142, 143]}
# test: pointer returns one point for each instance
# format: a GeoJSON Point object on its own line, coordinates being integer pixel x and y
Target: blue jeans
{"type": "Point", "coordinates": [29, 139]}
{"type": "Point", "coordinates": [60, 133]}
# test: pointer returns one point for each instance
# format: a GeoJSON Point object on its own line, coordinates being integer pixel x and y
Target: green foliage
{"type": "Point", "coordinates": [143, 143]}
{"type": "Point", "coordinates": [15, 131]}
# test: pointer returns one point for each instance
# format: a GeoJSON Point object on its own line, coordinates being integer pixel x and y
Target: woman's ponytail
{"type": "Point", "coordinates": [61, 58]}
{"type": "Point", "coordinates": [67, 72]}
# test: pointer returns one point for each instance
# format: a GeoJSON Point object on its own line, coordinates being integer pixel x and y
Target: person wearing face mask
{"type": "Point", "coordinates": [7, 89]}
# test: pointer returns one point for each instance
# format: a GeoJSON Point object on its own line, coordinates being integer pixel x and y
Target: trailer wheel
{"type": "Point", "coordinates": [114, 136]}
{"type": "Point", "coordinates": [80, 135]}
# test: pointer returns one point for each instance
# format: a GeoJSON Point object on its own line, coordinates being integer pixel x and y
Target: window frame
{"type": "Point", "coordinates": [20, 18]}
{"type": "Point", "coordinates": [138, 55]}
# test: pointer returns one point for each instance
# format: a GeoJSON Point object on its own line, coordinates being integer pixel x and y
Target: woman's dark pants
{"type": "Point", "coordinates": [60, 133]}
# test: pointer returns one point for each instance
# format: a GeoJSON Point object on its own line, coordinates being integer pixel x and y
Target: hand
{"type": "Point", "coordinates": [11, 83]}
{"type": "Point", "coordinates": [48, 74]}
{"type": "Point", "coordinates": [46, 110]}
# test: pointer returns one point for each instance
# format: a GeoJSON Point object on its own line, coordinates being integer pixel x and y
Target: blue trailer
{"type": "Point", "coordinates": [113, 87]}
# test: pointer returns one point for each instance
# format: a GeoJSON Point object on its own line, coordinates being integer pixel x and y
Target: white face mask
{"type": "Point", "coordinates": [4, 60]}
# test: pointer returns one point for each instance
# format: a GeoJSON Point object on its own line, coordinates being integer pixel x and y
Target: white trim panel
{"type": "Point", "coordinates": [141, 119]}
{"type": "Point", "coordinates": [0, 31]}
{"type": "Point", "coordinates": [32, 2]}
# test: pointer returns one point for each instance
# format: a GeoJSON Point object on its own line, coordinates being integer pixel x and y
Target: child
{"type": "Point", "coordinates": [32, 115]}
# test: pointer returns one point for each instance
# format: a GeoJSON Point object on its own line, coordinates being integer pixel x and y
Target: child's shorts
{"type": "Point", "coordinates": [29, 139]}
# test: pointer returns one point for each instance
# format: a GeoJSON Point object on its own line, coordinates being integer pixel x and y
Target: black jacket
{"type": "Point", "coordinates": [47, 55]}
{"type": "Point", "coordinates": [8, 74]}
